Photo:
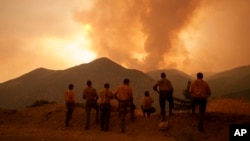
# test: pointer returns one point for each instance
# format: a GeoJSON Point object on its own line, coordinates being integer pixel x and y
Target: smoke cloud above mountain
{"type": "Point", "coordinates": [189, 35]}
{"type": "Point", "coordinates": [142, 33]}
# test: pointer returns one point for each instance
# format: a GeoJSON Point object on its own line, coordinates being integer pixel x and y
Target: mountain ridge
{"type": "Point", "coordinates": [50, 85]}
{"type": "Point", "coordinates": [42, 83]}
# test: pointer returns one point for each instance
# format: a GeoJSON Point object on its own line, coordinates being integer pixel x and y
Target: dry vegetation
{"type": "Point", "coordinates": [232, 106]}
{"type": "Point", "coordinates": [46, 123]}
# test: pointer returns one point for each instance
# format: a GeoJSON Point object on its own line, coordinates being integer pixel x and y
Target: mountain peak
{"type": "Point", "coordinates": [102, 60]}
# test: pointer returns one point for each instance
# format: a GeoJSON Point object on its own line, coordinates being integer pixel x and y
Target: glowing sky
{"type": "Point", "coordinates": [189, 35]}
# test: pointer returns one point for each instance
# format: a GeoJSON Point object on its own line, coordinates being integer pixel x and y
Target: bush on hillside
{"type": "Point", "coordinates": [38, 103]}
{"type": "Point", "coordinates": [186, 92]}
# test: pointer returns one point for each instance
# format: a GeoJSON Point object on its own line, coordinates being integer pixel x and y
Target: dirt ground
{"type": "Point", "coordinates": [46, 123]}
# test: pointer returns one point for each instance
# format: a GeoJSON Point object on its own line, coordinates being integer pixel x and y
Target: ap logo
{"type": "Point", "coordinates": [239, 132]}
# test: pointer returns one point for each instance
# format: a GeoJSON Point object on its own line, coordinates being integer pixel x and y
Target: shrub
{"type": "Point", "coordinates": [38, 103]}
{"type": "Point", "coordinates": [227, 105]}
{"type": "Point", "coordinates": [185, 92]}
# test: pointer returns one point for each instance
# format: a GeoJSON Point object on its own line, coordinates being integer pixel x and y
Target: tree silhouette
{"type": "Point", "coordinates": [186, 92]}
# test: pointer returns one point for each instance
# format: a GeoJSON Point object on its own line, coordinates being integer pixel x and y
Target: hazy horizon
{"type": "Point", "coordinates": [191, 36]}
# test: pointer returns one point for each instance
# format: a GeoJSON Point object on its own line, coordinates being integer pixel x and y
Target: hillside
{"type": "Point", "coordinates": [46, 123]}
{"type": "Point", "coordinates": [18, 92]}
{"type": "Point", "coordinates": [50, 84]}
{"type": "Point", "coordinates": [233, 83]}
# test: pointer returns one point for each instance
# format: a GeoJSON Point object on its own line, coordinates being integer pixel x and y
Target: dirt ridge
{"type": "Point", "coordinates": [46, 123]}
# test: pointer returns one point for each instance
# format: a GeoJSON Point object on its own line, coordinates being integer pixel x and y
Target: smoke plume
{"type": "Point", "coordinates": [139, 33]}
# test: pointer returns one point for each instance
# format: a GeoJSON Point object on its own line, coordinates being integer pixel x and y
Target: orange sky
{"type": "Point", "coordinates": [193, 35]}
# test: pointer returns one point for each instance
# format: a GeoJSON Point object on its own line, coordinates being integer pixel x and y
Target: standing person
{"type": "Point", "coordinates": [91, 96]}
{"type": "Point", "coordinates": [124, 95]}
{"type": "Point", "coordinates": [146, 106]}
{"type": "Point", "coordinates": [69, 97]}
{"type": "Point", "coordinates": [200, 91]}
{"type": "Point", "coordinates": [105, 107]}
{"type": "Point", "coordinates": [165, 90]}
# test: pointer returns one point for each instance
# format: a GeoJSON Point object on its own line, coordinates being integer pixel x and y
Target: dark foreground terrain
{"type": "Point", "coordinates": [46, 123]}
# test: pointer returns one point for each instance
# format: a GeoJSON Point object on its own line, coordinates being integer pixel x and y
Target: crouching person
{"type": "Point", "coordinates": [146, 106]}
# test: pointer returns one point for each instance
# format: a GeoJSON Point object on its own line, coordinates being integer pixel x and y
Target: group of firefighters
{"type": "Point", "coordinates": [199, 90]}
